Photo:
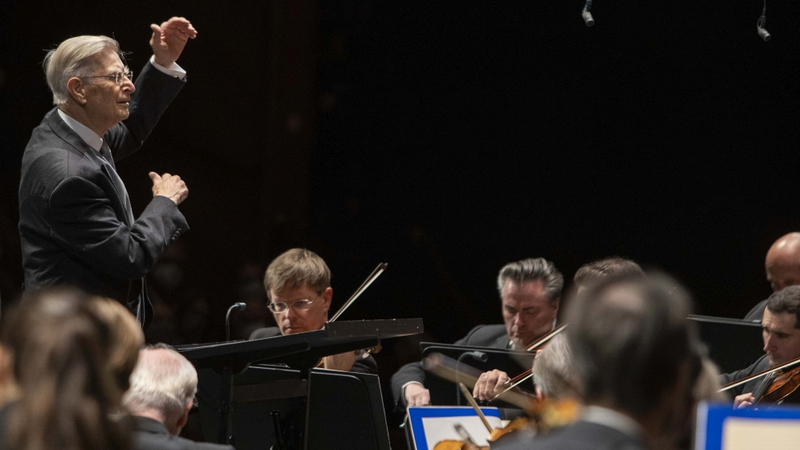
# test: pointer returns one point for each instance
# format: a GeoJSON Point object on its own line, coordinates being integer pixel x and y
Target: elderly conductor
{"type": "Point", "coordinates": [76, 222]}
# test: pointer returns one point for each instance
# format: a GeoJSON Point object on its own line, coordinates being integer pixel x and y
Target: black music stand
{"type": "Point", "coordinates": [733, 344]}
{"type": "Point", "coordinates": [228, 390]}
{"type": "Point", "coordinates": [444, 392]}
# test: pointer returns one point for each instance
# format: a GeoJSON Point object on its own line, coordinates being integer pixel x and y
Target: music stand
{"type": "Point", "coordinates": [227, 385]}
{"type": "Point", "coordinates": [444, 392]}
{"type": "Point", "coordinates": [733, 344]}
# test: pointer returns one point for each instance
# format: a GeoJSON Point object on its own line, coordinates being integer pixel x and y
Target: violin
{"type": "Point", "coordinates": [364, 353]}
{"type": "Point", "coordinates": [774, 389]}
{"type": "Point", "coordinates": [543, 415]}
{"type": "Point", "coordinates": [526, 375]}
{"type": "Point", "coordinates": [781, 388]}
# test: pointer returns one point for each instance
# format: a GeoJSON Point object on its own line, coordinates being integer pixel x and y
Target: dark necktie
{"type": "Point", "coordinates": [105, 152]}
{"type": "Point", "coordinates": [135, 295]}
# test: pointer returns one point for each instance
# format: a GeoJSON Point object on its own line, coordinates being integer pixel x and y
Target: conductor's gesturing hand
{"type": "Point", "coordinates": [170, 186]}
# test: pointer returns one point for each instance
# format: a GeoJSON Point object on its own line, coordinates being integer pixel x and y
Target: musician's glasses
{"type": "Point", "coordinates": [299, 305]}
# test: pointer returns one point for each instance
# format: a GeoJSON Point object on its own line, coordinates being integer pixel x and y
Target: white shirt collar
{"type": "Point", "coordinates": [612, 419]}
{"type": "Point", "coordinates": [88, 136]}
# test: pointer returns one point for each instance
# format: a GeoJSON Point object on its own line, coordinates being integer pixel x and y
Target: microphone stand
{"type": "Point", "coordinates": [240, 306]}
{"type": "Point", "coordinates": [480, 356]}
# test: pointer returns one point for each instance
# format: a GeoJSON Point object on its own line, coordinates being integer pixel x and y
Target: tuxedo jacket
{"type": "Point", "coordinates": [362, 365]}
{"type": "Point", "coordinates": [74, 227]}
{"type": "Point", "coordinates": [492, 336]}
{"type": "Point", "coordinates": [759, 365]}
{"type": "Point", "coordinates": [757, 312]}
{"type": "Point", "coordinates": [152, 435]}
{"type": "Point", "coordinates": [578, 436]}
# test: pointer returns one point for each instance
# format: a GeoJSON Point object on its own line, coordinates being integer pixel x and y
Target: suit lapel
{"type": "Point", "coordinates": [65, 133]}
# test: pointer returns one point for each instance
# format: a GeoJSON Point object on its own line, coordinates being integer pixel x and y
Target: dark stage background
{"type": "Point", "coordinates": [446, 138]}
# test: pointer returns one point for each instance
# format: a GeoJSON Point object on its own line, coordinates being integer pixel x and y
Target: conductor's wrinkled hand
{"type": "Point", "coordinates": [170, 186]}
{"type": "Point", "coordinates": [169, 39]}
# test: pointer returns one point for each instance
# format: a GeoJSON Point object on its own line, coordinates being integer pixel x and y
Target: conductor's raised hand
{"type": "Point", "coordinates": [169, 39]}
{"type": "Point", "coordinates": [170, 186]}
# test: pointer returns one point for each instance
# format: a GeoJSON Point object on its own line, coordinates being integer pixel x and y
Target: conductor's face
{"type": "Point", "coordinates": [781, 338]}
{"type": "Point", "coordinates": [107, 102]}
{"type": "Point", "coordinates": [300, 309]}
{"type": "Point", "coordinates": [527, 312]}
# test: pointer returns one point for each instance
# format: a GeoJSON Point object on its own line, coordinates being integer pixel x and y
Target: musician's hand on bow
{"type": "Point", "coordinates": [489, 384]}
{"type": "Point", "coordinates": [342, 361]}
{"type": "Point", "coordinates": [417, 395]}
{"type": "Point", "coordinates": [743, 401]}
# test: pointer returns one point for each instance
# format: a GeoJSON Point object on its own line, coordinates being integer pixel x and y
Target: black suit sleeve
{"type": "Point", "coordinates": [413, 372]}
{"type": "Point", "coordinates": [83, 221]}
{"type": "Point", "coordinates": [365, 365]}
{"type": "Point", "coordinates": [155, 90]}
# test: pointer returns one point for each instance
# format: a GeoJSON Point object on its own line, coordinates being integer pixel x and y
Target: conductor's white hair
{"type": "Point", "coordinates": [163, 380]}
{"type": "Point", "coordinates": [74, 57]}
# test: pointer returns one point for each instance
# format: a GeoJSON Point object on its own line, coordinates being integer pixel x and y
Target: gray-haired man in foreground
{"type": "Point", "coordinates": [163, 386]}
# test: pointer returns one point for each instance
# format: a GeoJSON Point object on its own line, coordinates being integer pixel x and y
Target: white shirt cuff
{"type": "Point", "coordinates": [174, 70]}
{"type": "Point", "coordinates": [403, 389]}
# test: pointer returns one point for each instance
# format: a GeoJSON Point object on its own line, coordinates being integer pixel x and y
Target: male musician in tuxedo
{"type": "Point", "coordinates": [781, 334]}
{"type": "Point", "coordinates": [493, 382]}
{"type": "Point", "coordinates": [782, 265]}
{"type": "Point", "coordinates": [160, 397]}
{"type": "Point", "coordinates": [636, 356]}
{"type": "Point", "coordinates": [76, 223]}
{"type": "Point", "coordinates": [298, 285]}
{"type": "Point", "coordinates": [530, 294]}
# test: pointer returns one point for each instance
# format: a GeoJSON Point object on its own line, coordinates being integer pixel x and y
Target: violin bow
{"type": "Point", "coordinates": [546, 338]}
{"type": "Point", "coordinates": [444, 367]}
{"type": "Point", "coordinates": [375, 274]}
{"type": "Point", "coordinates": [764, 373]}
{"type": "Point", "coordinates": [475, 406]}
{"type": "Point", "coordinates": [526, 375]}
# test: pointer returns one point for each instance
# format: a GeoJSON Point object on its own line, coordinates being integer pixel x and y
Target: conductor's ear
{"type": "Point", "coordinates": [77, 90]}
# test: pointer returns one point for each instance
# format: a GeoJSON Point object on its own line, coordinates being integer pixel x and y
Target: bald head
{"type": "Point", "coordinates": [783, 262]}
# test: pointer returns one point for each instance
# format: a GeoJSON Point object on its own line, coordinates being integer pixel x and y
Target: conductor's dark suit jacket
{"type": "Point", "coordinates": [152, 435]}
{"type": "Point", "coordinates": [492, 336]}
{"type": "Point", "coordinates": [73, 223]}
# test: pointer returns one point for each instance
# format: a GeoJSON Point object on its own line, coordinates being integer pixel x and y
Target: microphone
{"type": "Point", "coordinates": [762, 32]}
{"type": "Point", "coordinates": [480, 356]}
{"type": "Point", "coordinates": [240, 306]}
{"type": "Point", "coordinates": [587, 15]}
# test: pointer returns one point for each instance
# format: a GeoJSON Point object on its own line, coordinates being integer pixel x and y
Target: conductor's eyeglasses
{"type": "Point", "coordinates": [300, 305]}
{"type": "Point", "coordinates": [117, 77]}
